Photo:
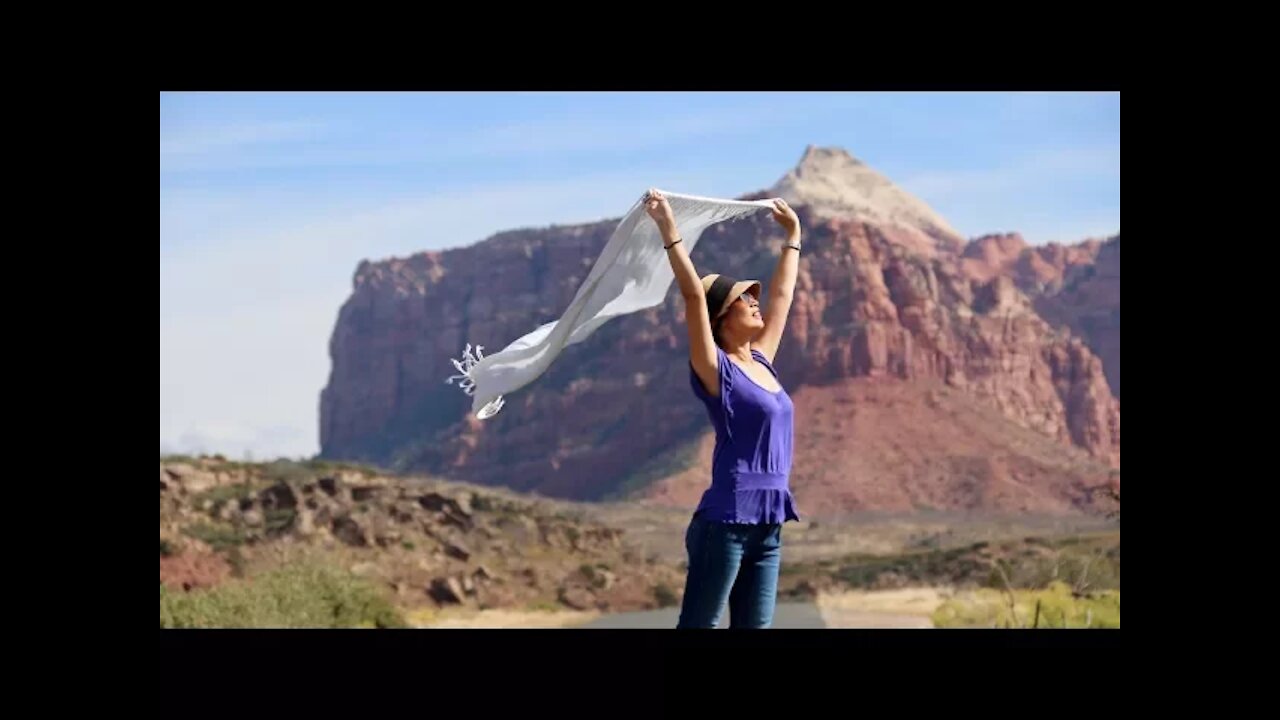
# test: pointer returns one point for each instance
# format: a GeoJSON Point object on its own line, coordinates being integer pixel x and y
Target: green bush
{"type": "Point", "coordinates": [279, 520]}
{"type": "Point", "coordinates": [298, 596]}
{"type": "Point", "coordinates": [287, 471]}
{"type": "Point", "coordinates": [219, 536]}
{"type": "Point", "coordinates": [1086, 563]}
{"type": "Point", "coordinates": [223, 494]}
{"type": "Point", "coordinates": [665, 596]}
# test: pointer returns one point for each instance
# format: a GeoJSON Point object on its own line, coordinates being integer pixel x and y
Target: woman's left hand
{"type": "Point", "coordinates": [785, 216]}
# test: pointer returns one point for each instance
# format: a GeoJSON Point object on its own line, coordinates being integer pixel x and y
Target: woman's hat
{"type": "Point", "coordinates": [722, 290]}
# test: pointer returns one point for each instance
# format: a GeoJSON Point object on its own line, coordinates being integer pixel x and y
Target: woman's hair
{"type": "Point", "coordinates": [715, 329]}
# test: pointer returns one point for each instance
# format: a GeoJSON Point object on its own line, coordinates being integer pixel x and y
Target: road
{"type": "Point", "coordinates": [788, 615]}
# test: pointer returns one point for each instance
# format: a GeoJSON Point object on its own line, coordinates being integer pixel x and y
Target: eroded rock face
{"type": "Point", "coordinates": [886, 289]}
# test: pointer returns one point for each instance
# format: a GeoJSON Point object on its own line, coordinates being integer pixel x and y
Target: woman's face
{"type": "Point", "coordinates": [743, 316]}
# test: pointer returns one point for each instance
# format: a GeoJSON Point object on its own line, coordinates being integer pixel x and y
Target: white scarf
{"type": "Point", "coordinates": [632, 273]}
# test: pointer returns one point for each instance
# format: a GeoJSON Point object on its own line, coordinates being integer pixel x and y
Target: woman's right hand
{"type": "Point", "coordinates": [659, 209]}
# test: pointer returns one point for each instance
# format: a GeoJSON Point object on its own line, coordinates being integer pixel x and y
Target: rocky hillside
{"type": "Point", "coordinates": [429, 543]}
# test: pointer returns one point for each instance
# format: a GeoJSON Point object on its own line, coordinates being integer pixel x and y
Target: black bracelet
{"type": "Point", "coordinates": [793, 247]}
{"type": "Point", "coordinates": [668, 247]}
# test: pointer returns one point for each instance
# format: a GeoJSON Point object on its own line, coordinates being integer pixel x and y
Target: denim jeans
{"type": "Point", "coordinates": [733, 563]}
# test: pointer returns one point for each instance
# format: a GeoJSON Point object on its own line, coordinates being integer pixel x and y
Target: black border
{"type": "Point", "coordinates": [557, 670]}
{"type": "Point", "coordinates": [518, 656]}
{"type": "Point", "coordinates": [787, 51]}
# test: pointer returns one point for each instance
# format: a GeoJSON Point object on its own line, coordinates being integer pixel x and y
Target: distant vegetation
{"type": "Point", "coordinates": [298, 596]}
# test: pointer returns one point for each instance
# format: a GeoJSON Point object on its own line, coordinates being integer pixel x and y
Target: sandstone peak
{"type": "Point", "coordinates": [835, 184]}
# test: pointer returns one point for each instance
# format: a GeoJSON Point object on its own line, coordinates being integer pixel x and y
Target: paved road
{"type": "Point", "coordinates": [789, 615]}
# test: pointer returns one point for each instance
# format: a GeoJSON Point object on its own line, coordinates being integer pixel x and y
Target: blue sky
{"type": "Point", "coordinates": [268, 201]}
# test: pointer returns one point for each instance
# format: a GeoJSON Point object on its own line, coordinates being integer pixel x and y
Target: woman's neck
{"type": "Point", "coordinates": [738, 349]}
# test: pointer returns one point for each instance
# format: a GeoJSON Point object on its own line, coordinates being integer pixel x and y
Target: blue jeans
{"type": "Point", "coordinates": [737, 563]}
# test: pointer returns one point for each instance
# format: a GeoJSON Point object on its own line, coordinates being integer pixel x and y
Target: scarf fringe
{"type": "Point", "coordinates": [466, 380]}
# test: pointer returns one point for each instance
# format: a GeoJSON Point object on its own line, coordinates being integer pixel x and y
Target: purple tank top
{"type": "Point", "coordinates": [752, 460]}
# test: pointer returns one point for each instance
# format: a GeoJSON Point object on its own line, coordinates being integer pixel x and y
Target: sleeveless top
{"type": "Point", "coordinates": [752, 460]}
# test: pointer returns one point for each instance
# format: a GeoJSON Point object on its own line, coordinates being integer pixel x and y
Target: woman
{"type": "Point", "coordinates": [734, 539]}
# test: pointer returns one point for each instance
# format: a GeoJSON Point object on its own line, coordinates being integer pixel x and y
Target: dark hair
{"type": "Point", "coordinates": [715, 329]}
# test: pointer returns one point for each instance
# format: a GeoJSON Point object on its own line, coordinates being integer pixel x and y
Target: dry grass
{"type": "Point", "coordinates": [498, 619]}
{"type": "Point", "coordinates": [907, 601]}
{"type": "Point", "coordinates": [910, 608]}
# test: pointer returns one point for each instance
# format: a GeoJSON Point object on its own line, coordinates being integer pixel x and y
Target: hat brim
{"type": "Point", "coordinates": [742, 286]}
